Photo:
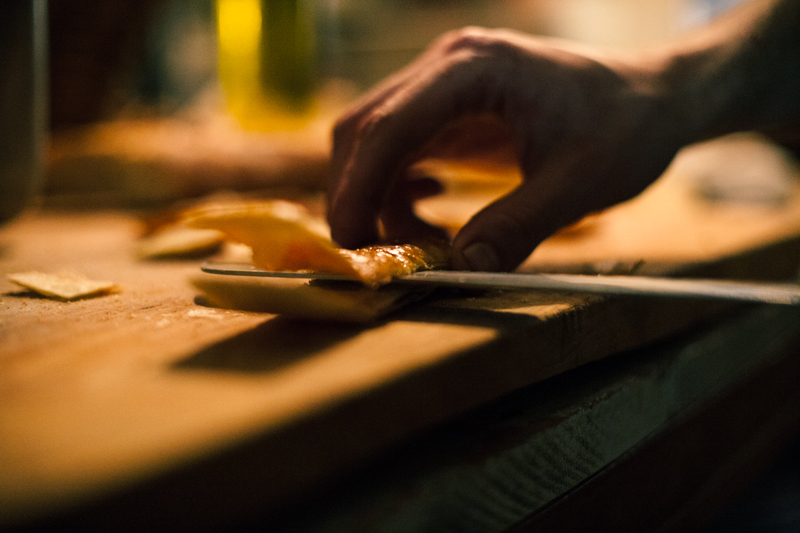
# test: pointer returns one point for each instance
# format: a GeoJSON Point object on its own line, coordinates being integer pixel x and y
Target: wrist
{"type": "Point", "coordinates": [739, 74]}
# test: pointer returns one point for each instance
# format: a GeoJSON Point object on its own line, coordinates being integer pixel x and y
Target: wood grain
{"type": "Point", "coordinates": [575, 452]}
{"type": "Point", "coordinates": [115, 395]}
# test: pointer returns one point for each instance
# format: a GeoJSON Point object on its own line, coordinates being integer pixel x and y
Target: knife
{"type": "Point", "coordinates": [772, 293]}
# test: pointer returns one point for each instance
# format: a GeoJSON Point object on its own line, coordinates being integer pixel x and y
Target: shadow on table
{"type": "Point", "coordinates": [271, 346]}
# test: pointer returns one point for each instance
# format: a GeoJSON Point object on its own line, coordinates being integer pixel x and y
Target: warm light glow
{"type": "Point", "coordinates": [239, 27]}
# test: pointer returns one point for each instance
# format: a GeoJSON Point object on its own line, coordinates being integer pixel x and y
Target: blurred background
{"type": "Point", "coordinates": [108, 58]}
{"type": "Point", "coordinates": [153, 100]}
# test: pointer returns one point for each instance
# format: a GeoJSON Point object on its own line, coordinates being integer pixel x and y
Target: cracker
{"type": "Point", "coordinates": [179, 241]}
{"type": "Point", "coordinates": [62, 286]}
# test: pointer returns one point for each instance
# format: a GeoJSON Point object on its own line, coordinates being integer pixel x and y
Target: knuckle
{"type": "Point", "coordinates": [477, 41]}
{"type": "Point", "coordinates": [361, 124]}
{"type": "Point", "coordinates": [469, 38]}
{"type": "Point", "coordinates": [343, 129]}
{"type": "Point", "coordinates": [364, 128]}
{"type": "Point", "coordinates": [376, 123]}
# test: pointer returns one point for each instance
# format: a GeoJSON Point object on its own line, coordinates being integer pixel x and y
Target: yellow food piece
{"type": "Point", "coordinates": [179, 241]}
{"type": "Point", "coordinates": [62, 286]}
{"type": "Point", "coordinates": [284, 236]}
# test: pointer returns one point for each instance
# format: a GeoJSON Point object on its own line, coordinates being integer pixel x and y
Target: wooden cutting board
{"type": "Point", "coordinates": [144, 391]}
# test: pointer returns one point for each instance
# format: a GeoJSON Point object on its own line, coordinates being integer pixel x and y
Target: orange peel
{"type": "Point", "coordinates": [285, 236]}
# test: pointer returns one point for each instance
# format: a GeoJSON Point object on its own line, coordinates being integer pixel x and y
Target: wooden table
{"type": "Point", "coordinates": [143, 410]}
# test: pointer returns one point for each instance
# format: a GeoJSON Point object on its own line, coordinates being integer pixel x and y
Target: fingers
{"type": "Point", "coordinates": [381, 139]}
{"type": "Point", "coordinates": [386, 141]}
{"type": "Point", "coordinates": [503, 234]}
{"type": "Point", "coordinates": [348, 128]}
{"type": "Point", "coordinates": [400, 222]}
{"type": "Point", "coordinates": [565, 114]}
{"type": "Point", "coordinates": [402, 225]}
{"type": "Point", "coordinates": [569, 184]}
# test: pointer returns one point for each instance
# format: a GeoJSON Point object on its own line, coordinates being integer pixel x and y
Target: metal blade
{"type": "Point", "coordinates": [245, 269]}
{"type": "Point", "coordinates": [773, 293]}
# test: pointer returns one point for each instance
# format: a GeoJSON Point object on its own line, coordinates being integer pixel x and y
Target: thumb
{"type": "Point", "coordinates": [503, 234]}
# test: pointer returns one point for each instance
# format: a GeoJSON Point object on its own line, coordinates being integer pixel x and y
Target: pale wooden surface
{"type": "Point", "coordinates": [103, 394]}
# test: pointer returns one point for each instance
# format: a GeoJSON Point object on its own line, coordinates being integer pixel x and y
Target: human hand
{"type": "Point", "coordinates": [588, 131]}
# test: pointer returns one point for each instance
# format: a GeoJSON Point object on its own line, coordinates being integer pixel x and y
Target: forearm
{"type": "Point", "coordinates": [741, 73]}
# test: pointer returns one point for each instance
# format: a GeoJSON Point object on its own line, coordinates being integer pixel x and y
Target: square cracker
{"type": "Point", "coordinates": [62, 286]}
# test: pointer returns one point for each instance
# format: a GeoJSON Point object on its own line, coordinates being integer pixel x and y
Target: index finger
{"type": "Point", "coordinates": [392, 133]}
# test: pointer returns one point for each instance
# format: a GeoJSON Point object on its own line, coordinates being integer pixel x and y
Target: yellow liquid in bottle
{"type": "Point", "coordinates": [266, 62]}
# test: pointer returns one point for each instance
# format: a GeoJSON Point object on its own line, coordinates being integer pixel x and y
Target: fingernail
{"type": "Point", "coordinates": [481, 257]}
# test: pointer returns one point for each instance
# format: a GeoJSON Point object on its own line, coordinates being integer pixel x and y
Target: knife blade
{"type": "Point", "coordinates": [743, 291]}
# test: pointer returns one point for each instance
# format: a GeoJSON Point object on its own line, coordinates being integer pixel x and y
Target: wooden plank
{"type": "Point", "coordinates": [678, 480]}
{"type": "Point", "coordinates": [102, 395]}
{"type": "Point", "coordinates": [619, 445]}
{"type": "Point", "coordinates": [658, 435]}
